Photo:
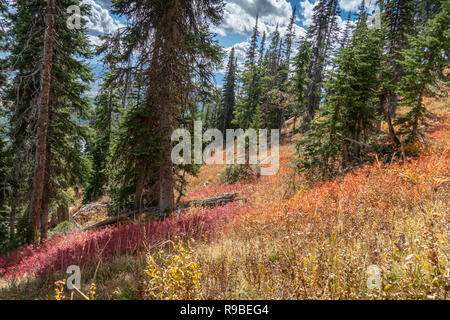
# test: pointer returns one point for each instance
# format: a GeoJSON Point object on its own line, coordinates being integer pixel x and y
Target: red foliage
{"type": "Point", "coordinates": [87, 248]}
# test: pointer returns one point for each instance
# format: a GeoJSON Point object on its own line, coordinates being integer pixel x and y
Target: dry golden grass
{"type": "Point", "coordinates": [321, 249]}
{"type": "Point", "coordinates": [317, 243]}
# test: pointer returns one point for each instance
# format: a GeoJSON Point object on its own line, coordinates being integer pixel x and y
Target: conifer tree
{"type": "Point", "coordinates": [250, 90]}
{"type": "Point", "coordinates": [347, 31]}
{"type": "Point", "coordinates": [3, 35]}
{"type": "Point", "coordinates": [4, 168]}
{"type": "Point", "coordinates": [175, 46]}
{"type": "Point", "coordinates": [399, 19]}
{"type": "Point", "coordinates": [252, 51]}
{"type": "Point", "coordinates": [4, 193]}
{"type": "Point", "coordinates": [322, 33]}
{"type": "Point", "coordinates": [54, 64]}
{"type": "Point", "coordinates": [349, 115]}
{"type": "Point", "coordinates": [273, 53]}
{"type": "Point", "coordinates": [229, 92]}
{"type": "Point", "coordinates": [300, 80]}
{"type": "Point", "coordinates": [107, 107]}
{"type": "Point", "coordinates": [213, 111]}
{"type": "Point", "coordinates": [424, 64]}
{"type": "Point", "coordinates": [289, 38]}
{"type": "Point", "coordinates": [262, 49]}
{"type": "Point", "coordinates": [284, 71]}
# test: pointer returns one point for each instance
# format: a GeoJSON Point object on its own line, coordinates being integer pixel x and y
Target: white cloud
{"type": "Point", "coordinates": [240, 51]}
{"type": "Point", "coordinates": [307, 11]}
{"type": "Point", "coordinates": [239, 16]}
{"type": "Point", "coordinates": [100, 22]}
{"type": "Point", "coordinates": [349, 5]}
{"type": "Point", "coordinates": [353, 5]}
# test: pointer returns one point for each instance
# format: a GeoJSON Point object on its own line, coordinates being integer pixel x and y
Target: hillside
{"type": "Point", "coordinates": [286, 238]}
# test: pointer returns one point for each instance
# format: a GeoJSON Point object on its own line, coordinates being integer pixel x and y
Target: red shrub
{"type": "Point", "coordinates": [87, 248]}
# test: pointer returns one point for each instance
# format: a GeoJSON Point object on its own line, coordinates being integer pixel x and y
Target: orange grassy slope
{"type": "Point", "coordinates": [303, 242]}
{"type": "Point", "coordinates": [294, 240]}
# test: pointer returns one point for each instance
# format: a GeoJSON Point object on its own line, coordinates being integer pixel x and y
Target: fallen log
{"type": "Point", "coordinates": [207, 203]}
{"type": "Point", "coordinates": [365, 145]}
{"type": "Point", "coordinates": [90, 206]}
{"type": "Point", "coordinates": [210, 203]}
{"type": "Point", "coordinates": [119, 218]}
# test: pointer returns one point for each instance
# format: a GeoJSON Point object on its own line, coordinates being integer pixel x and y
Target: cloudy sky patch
{"type": "Point", "coordinates": [237, 24]}
{"type": "Point", "coordinates": [100, 21]}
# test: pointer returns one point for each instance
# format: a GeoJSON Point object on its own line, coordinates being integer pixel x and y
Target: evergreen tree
{"type": "Point", "coordinates": [4, 168]}
{"type": "Point", "coordinates": [262, 49]}
{"type": "Point", "coordinates": [3, 35]}
{"type": "Point", "coordinates": [399, 20]}
{"type": "Point", "coordinates": [275, 75]}
{"type": "Point", "coordinates": [300, 81]}
{"type": "Point", "coordinates": [229, 92]}
{"type": "Point", "coordinates": [349, 115]}
{"type": "Point", "coordinates": [285, 63]}
{"type": "Point", "coordinates": [107, 106]}
{"type": "Point", "coordinates": [250, 90]}
{"type": "Point", "coordinates": [424, 64]}
{"type": "Point", "coordinates": [321, 34]}
{"type": "Point", "coordinates": [347, 30]}
{"type": "Point", "coordinates": [4, 194]}
{"type": "Point", "coordinates": [250, 98]}
{"type": "Point", "coordinates": [54, 64]}
{"type": "Point", "coordinates": [213, 111]}
{"type": "Point", "coordinates": [175, 46]}
{"type": "Point", "coordinates": [289, 38]}
{"type": "Point", "coordinates": [273, 53]}
{"type": "Point", "coordinates": [251, 53]}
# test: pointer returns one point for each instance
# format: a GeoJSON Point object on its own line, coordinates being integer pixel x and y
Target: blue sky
{"type": "Point", "coordinates": [237, 24]}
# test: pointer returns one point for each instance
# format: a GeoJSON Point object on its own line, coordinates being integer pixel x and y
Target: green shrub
{"type": "Point", "coordinates": [235, 173]}
{"type": "Point", "coordinates": [64, 226]}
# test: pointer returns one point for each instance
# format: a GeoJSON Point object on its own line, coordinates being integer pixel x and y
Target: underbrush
{"type": "Point", "coordinates": [85, 249]}
{"type": "Point", "coordinates": [292, 240]}
{"type": "Point", "coordinates": [236, 173]}
{"type": "Point", "coordinates": [320, 243]}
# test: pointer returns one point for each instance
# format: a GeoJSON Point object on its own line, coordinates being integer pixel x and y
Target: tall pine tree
{"type": "Point", "coordinates": [54, 64]}
{"type": "Point", "coordinates": [347, 121]}
{"type": "Point", "coordinates": [175, 46]}
{"type": "Point", "coordinates": [229, 92]}
{"type": "Point", "coordinates": [424, 64]}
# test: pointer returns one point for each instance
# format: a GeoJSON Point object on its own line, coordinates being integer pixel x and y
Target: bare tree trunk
{"type": "Point", "coordinates": [45, 198]}
{"type": "Point", "coordinates": [415, 128]}
{"type": "Point", "coordinates": [54, 219]}
{"type": "Point", "coordinates": [394, 137]}
{"type": "Point", "coordinates": [42, 123]}
{"type": "Point", "coordinates": [62, 214]}
{"type": "Point", "coordinates": [140, 184]}
{"type": "Point", "coordinates": [167, 103]}
{"type": "Point", "coordinates": [44, 216]}
{"type": "Point", "coordinates": [12, 221]}
{"type": "Point", "coordinates": [167, 183]}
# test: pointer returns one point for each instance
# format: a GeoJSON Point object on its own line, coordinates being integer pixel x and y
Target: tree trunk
{"type": "Point", "coordinates": [12, 221]}
{"type": "Point", "coordinates": [394, 137]}
{"type": "Point", "coordinates": [45, 197]}
{"type": "Point", "coordinates": [42, 123]}
{"type": "Point", "coordinates": [167, 183]}
{"type": "Point", "coordinates": [168, 91]}
{"type": "Point", "coordinates": [44, 215]}
{"type": "Point", "coordinates": [62, 214]}
{"type": "Point", "coordinates": [140, 184]}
